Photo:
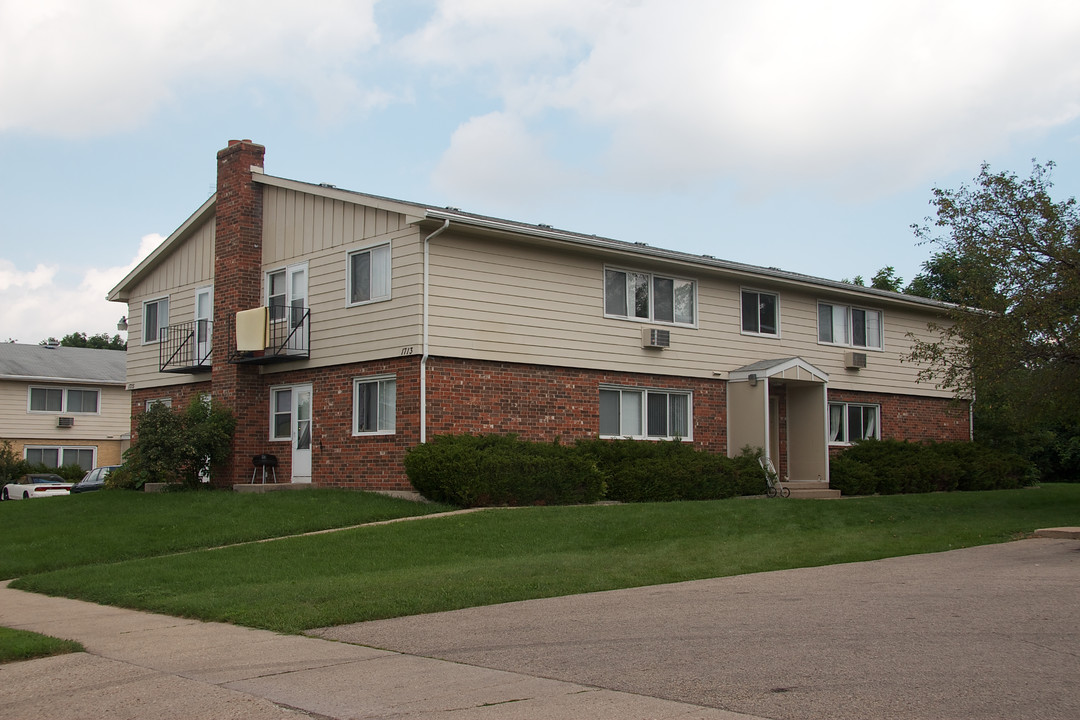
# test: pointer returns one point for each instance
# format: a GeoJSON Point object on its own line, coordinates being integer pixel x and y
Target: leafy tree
{"type": "Point", "coordinates": [1010, 256]}
{"type": "Point", "coordinates": [179, 446]}
{"type": "Point", "coordinates": [886, 279]}
{"type": "Point", "coordinates": [101, 341]}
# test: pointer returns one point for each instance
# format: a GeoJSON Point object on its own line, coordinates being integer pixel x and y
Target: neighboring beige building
{"type": "Point", "coordinates": [345, 328]}
{"type": "Point", "coordinates": [64, 405]}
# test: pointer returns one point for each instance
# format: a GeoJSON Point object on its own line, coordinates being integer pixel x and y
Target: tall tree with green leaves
{"type": "Point", "coordinates": [1010, 258]}
{"type": "Point", "coordinates": [101, 341]}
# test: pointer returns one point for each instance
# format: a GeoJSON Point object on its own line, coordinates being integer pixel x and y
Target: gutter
{"type": "Point", "coordinates": [425, 323]}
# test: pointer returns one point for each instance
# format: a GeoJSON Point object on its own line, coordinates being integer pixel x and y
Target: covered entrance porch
{"type": "Point", "coordinates": [781, 406]}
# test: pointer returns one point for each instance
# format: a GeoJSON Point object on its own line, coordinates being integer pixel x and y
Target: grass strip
{"type": "Point", "coordinates": [109, 526]}
{"type": "Point", "coordinates": [16, 645]}
{"type": "Point", "coordinates": [504, 555]}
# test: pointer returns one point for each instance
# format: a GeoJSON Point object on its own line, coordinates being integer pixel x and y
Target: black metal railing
{"type": "Point", "coordinates": [288, 337]}
{"type": "Point", "coordinates": [186, 347]}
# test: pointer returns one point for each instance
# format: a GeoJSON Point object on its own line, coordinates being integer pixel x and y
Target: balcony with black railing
{"type": "Point", "coordinates": [287, 332]}
{"type": "Point", "coordinates": [186, 347]}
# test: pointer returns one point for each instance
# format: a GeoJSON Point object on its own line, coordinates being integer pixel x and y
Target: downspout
{"type": "Point", "coordinates": [424, 357]}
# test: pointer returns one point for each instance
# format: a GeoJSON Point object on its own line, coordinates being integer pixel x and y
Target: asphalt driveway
{"type": "Point", "coordinates": [986, 632]}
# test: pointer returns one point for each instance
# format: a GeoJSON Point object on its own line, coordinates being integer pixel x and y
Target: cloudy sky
{"type": "Point", "coordinates": [793, 134]}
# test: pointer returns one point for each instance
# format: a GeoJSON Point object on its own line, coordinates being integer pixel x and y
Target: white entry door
{"type": "Point", "coordinates": [301, 434]}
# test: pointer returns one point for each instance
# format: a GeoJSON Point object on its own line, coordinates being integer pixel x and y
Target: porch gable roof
{"type": "Point", "coordinates": [793, 368]}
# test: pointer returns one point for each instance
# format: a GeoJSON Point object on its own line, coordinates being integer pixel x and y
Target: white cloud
{"type": "Point", "coordinates": [50, 302]}
{"type": "Point", "coordinates": [493, 157]}
{"type": "Point", "coordinates": [846, 95]}
{"type": "Point", "coordinates": [74, 68]}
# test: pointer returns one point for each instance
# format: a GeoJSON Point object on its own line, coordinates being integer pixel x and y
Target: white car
{"type": "Point", "coordinates": [38, 485]}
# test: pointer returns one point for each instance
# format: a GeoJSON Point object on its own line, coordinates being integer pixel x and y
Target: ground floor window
{"type": "Point", "coordinates": [374, 405]}
{"type": "Point", "coordinates": [639, 413]}
{"type": "Point", "coordinates": [849, 422]}
{"type": "Point", "coordinates": [55, 457]}
{"type": "Point", "coordinates": [281, 414]}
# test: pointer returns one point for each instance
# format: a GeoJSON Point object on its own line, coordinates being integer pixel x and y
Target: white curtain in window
{"type": "Point", "coordinates": [873, 329]}
{"type": "Point", "coordinates": [631, 414]}
{"type": "Point", "coordinates": [380, 271]}
{"type": "Point", "coordinates": [836, 421]}
{"type": "Point", "coordinates": [387, 405]}
{"type": "Point", "coordinates": [840, 324]}
{"type": "Point", "coordinates": [680, 416]}
{"type": "Point", "coordinates": [870, 421]}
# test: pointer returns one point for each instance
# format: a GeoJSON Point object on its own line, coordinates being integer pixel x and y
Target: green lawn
{"type": "Point", "coordinates": [502, 555]}
{"type": "Point", "coordinates": [16, 645]}
{"type": "Point", "coordinates": [108, 526]}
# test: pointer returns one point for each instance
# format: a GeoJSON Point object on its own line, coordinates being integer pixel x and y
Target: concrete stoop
{"type": "Point", "coordinates": [270, 487]}
{"type": "Point", "coordinates": [812, 489]}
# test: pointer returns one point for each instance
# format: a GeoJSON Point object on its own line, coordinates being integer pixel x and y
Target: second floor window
{"type": "Point", "coordinates": [155, 317]}
{"type": "Point", "coordinates": [760, 313]}
{"type": "Point", "coordinates": [648, 297]}
{"type": "Point", "coordinates": [61, 400]}
{"type": "Point", "coordinates": [852, 326]}
{"type": "Point", "coordinates": [369, 275]}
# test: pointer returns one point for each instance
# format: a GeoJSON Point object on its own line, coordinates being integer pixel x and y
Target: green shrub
{"type": "Point", "coordinates": [179, 446]}
{"type": "Point", "coordinates": [472, 471]}
{"type": "Point", "coordinates": [893, 466]}
{"type": "Point", "coordinates": [123, 479]}
{"type": "Point", "coordinates": [638, 471]}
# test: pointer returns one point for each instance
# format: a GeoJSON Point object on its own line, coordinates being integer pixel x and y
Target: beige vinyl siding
{"type": "Point", "coordinates": [510, 301]}
{"type": "Point", "coordinates": [299, 227]}
{"type": "Point", "coordinates": [112, 420]}
{"type": "Point", "coordinates": [188, 268]}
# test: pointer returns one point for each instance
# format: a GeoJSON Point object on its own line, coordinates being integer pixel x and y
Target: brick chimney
{"type": "Point", "coordinates": [238, 257]}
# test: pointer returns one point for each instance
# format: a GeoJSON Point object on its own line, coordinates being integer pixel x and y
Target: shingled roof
{"type": "Point", "coordinates": [55, 363]}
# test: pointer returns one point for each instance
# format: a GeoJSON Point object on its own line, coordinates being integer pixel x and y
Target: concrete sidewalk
{"type": "Point", "coordinates": [154, 667]}
{"type": "Point", "coordinates": [981, 633]}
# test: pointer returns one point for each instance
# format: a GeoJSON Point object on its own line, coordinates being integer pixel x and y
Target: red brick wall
{"type": "Point", "coordinates": [909, 417]}
{"type": "Point", "coordinates": [238, 286]}
{"type": "Point", "coordinates": [339, 459]}
{"type": "Point", "coordinates": [538, 402]}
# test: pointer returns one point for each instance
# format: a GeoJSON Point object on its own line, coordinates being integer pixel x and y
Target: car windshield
{"type": "Point", "coordinates": [47, 480]}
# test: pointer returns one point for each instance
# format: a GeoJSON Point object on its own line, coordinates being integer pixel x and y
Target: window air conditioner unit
{"type": "Point", "coordinates": [854, 360]}
{"type": "Point", "coordinates": [653, 338]}
{"type": "Point", "coordinates": [65, 422]}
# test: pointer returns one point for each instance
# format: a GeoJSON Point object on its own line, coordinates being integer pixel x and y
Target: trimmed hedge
{"type": "Point", "coordinates": [469, 471]}
{"type": "Point", "coordinates": [638, 471]}
{"type": "Point", "coordinates": [889, 467]}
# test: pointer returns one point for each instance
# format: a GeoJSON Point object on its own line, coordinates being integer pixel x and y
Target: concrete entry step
{"type": "Point", "coordinates": [811, 489]}
{"type": "Point", "coordinates": [270, 487]}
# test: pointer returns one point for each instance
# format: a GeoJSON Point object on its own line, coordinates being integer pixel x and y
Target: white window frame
{"type": "Point", "coordinates": [292, 297]}
{"type": "Point", "coordinates": [60, 450]}
{"type": "Point", "coordinates": [166, 401]}
{"type": "Point", "coordinates": [844, 408]}
{"type": "Point", "coordinates": [650, 286]}
{"type": "Point", "coordinates": [849, 325]}
{"type": "Point", "coordinates": [642, 414]}
{"type": "Point", "coordinates": [159, 302]}
{"type": "Point", "coordinates": [743, 292]}
{"type": "Point", "coordinates": [383, 263]}
{"type": "Point", "coordinates": [63, 400]}
{"type": "Point", "coordinates": [383, 384]}
{"type": "Point", "coordinates": [274, 413]}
